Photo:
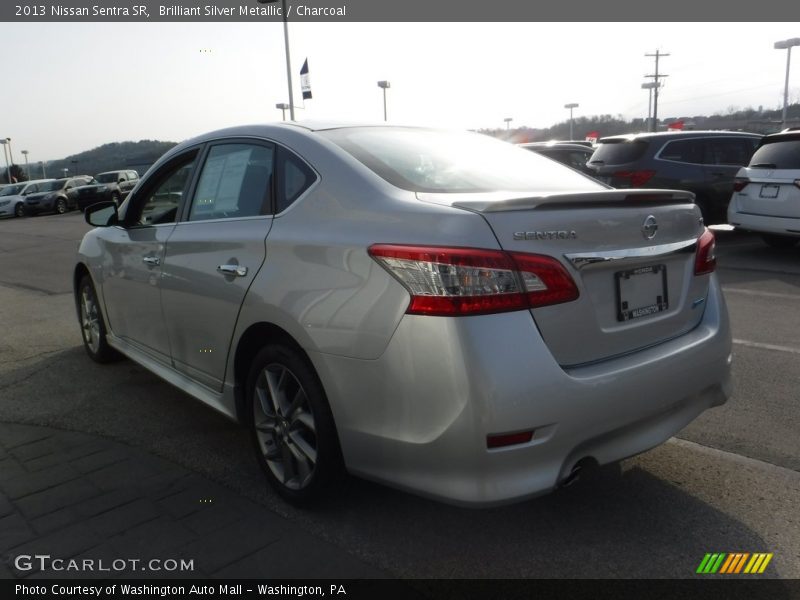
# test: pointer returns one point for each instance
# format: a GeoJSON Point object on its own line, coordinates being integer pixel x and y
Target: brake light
{"type": "Point", "coordinates": [705, 261]}
{"type": "Point", "coordinates": [637, 178]}
{"type": "Point", "coordinates": [447, 281]}
{"type": "Point", "coordinates": [740, 183]}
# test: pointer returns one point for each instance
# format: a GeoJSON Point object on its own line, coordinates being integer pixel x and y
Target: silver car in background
{"type": "Point", "coordinates": [439, 311]}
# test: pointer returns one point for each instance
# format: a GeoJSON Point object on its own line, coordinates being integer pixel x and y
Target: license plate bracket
{"type": "Point", "coordinates": [641, 292]}
{"type": "Point", "coordinates": [769, 191]}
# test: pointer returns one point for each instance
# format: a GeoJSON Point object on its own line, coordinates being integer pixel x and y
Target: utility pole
{"type": "Point", "coordinates": [657, 85]}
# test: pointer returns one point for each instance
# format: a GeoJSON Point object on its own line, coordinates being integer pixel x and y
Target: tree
{"type": "Point", "coordinates": [17, 174]}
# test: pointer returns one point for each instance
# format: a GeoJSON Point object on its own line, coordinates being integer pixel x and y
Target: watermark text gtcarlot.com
{"type": "Point", "coordinates": [45, 562]}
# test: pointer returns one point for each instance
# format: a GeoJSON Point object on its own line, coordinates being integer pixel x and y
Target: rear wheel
{"type": "Point", "coordinates": [93, 327]}
{"type": "Point", "coordinates": [61, 206]}
{"type": "Point", "coordinates": [779, 241]}
{"type": "Point", "coordinates": [292, 426]}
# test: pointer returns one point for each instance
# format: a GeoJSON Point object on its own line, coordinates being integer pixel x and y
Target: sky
{"type": "Point", "coordinates": [75, 86]}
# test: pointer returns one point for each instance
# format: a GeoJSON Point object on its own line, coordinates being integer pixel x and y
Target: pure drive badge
{"type": "Point", "coordinates": [561, 234]}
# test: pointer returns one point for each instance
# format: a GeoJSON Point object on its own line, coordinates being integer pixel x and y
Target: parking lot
{"type": "Point", "coordinates": [730, 482]}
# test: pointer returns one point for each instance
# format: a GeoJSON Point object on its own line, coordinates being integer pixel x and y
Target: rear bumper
{"type": "Point", "coordinates": [417, 417]}
{"type": "Point", "coordinates": [762, 223]}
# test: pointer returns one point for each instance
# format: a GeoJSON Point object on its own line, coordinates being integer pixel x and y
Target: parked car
{"type": "Point", "coordinates": [572, 154]}
{"type": "Point", "coordinates": [57, 196]}
{"type": "Point", "coordinates": [111, 185]}
{"type": "Point", "coordinates": [440, 311]}
{"type": "Point", "coordinates": [766, 197]}
{"type": "Point", "coordinates": [702, 162]}
{"type": "Point", "coordinates": [12, 196]}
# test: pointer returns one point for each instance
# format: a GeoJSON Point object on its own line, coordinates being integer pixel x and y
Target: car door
{"type": "Point", "coordinates": [214, 254]}
{"type": "Point", "coordinates": [133, 270]}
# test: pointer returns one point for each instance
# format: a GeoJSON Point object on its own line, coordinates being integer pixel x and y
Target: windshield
{"type": "Point", "coordinates": [425, 160]}
{"type": "Point", "coordinates": [107, 178]}
{"type": "Point", "coordinates": [618, 151]}
{"type": "Point", "coordinates": [12, 190]}
{"type": "Point", "coordinates": [52, 186]}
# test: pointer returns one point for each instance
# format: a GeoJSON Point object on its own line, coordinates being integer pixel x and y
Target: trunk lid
{"type": "Point", "coordinates": [630, 252]}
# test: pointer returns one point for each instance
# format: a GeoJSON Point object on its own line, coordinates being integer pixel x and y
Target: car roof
{"type": "Point", "coordinates": [679, 134]}
{"type": "Point", "coordinates": [787, 135]}
{"type": "Point", "coordinates": [559, 145]}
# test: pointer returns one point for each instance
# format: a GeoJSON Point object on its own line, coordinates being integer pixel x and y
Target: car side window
{"type": "Point", "coordinates": [160, 201]}
{"type": "Point", "coordinates": [236, 181]}
{"type": "Point", "coordinates": [294, 178]}
{"type": "Point", "coordinates": [687, 151]}
{"type": "Point", "coordinates": [727, 151]}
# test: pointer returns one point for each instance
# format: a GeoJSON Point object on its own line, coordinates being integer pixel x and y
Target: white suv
{"type": "Point", "coordinates": [766, 197]}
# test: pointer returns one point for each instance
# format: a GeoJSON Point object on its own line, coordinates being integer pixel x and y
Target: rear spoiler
{"type": "Point", "coordinates": [506, 201]}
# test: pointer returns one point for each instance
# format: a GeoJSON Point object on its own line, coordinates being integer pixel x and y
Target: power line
{"type": "Point", "coordinates": [656, 77]}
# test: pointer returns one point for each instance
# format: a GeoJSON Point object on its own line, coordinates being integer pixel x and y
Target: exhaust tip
{"type": "Point", "coordinates": [578, 469]}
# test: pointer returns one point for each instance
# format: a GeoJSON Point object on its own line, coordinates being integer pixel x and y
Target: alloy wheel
{"type": "Point", "coordinates": [285, 426]}
{"type": "Point", "coordinates": [90, 320]}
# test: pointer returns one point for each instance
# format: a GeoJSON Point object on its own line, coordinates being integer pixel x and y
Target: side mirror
{"type": "Point", "coordinates": [121, 180]}
{"type": "Point", "coordinates": [101, 214]}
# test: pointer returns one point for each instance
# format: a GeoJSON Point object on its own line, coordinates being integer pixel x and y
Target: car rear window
{"type": "Point", "coordinates": [618, 152]}
{"type": "Point", "coordinates": [783, 154]}
{"type": "Point", "coordinates": [427, 160]}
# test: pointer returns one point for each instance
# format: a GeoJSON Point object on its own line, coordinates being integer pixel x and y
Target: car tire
{"type": "Point", "coordinates": [19, 210]}
{"type": "Point", "coordinates": [291, 425]}
{"type": "Point", "coordinates": [61, 206]}
{"type": "Point", "coordinates": [93, 327]}
{"type": "Point", "coordinates": [115, 198]}
{"type": "Point", "coordinates": [782, 242]}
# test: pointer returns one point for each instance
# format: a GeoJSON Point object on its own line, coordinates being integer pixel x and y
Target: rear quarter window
{"type": "Point", "coordinates": [783, 154]}
{"type": "Point", "coordinates": [687, 151]}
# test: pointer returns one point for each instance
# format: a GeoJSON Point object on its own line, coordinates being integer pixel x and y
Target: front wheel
{"type": "Point", "coordinates": [61, 206]}
{"type": "Point", "coordinates": [292, 426]}
{"type": "Point", "coordinates": [93, 327]}
{"type": "Point", "coordinates": [19, 210]}
{"type": "Point", "coordinates": [782, 242]}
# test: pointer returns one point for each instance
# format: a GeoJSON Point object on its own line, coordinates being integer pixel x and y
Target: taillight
{"type": "Point", "coordinates": [705, 261]}
{"type": "Point", "coordinates": [447, 281]}
{"type": "Point", "coordinates": [637, 178]}
{"type": "Point", "coordinates": [740, 183]}
{"type": "Point", "coordinates": [797, 183]}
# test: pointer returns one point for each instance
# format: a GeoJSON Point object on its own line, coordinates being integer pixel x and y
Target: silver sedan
{"type": "Point", "coordinates": [439, 311]}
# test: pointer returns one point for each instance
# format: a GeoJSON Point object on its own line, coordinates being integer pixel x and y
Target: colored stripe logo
{"type": "Point", "coordinates": [734, 563]}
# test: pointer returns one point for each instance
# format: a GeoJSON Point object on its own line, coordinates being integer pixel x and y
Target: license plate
{"type": "Point", "coordinates": [769, 191]}
{"type": "Point", "coordinates": [641, 292]}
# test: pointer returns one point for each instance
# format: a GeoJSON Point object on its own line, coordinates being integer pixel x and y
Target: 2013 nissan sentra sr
{"type": "Point", "coordinates": [439, 311]}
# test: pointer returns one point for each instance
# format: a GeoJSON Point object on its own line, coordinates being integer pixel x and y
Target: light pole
{"type": "Point", "coordinates": [75, 168]}
{"type": "Point", "coordinates": [650, 86]}
{"type": "Point", "coordinates": [508, 122]}
{"type": "Point", "coordinates": [44, 174]}
{"type": "Point", "coordinates": [282, 106]}
{"type": "Point", "coordinates": [8, 168]}
{"type": "Point", "coordinates": [10, 153]}
{"type": "Point", "coordinates": [288, 58]}
{"type": "Point", "coordinates": [786, 45]}
{"type": "Point", "coordinates": [570, 106]}
{"type": "Point", "coordinates": [27, 170]}
{"type": "Point", "coordinates": [384, 85]}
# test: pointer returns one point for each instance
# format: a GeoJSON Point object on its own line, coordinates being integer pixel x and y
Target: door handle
{"type": "Point", "coordinates": [236, 270]}
{"type": "Point", "coordinates": [153, 261]}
